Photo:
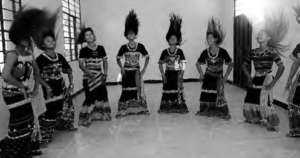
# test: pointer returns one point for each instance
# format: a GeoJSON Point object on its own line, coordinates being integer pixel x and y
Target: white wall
{"type": "Point", "coordinates": [275, 6]}
{"type": "Point", "coordinates": [52, 5]}
{"type": "Point", "coordinates": [107, 18]}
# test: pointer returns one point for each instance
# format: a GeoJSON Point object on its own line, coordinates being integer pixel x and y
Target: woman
{"type": "Point", "coordinates": [258, 107]}
{"type": "Point", "coordinates": [212, 99]}
{"type": "Point", "coordinates": [91, 60]}
{"type": "Point", "coordinates": [133, 97]}
{"type": "Point", "coordinates": [60, 110]}
{"type": "Point", "coordinates": [18, 67]}
{"type": "Point", "coordinates": [173, 100]}
{"type": "Point", "coordinates": [294, 88]}
{"type": "Point", "coordinates": [293, 101]}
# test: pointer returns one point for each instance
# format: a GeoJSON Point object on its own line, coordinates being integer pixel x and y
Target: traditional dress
{"type": "Point", "coordinates": [60, 109]}
{"type": "Point", "coordinates": [96, 105]}
{"type": "Point", "coordinates": [258, 107]}
{"type": "Point", "coordinates": [18, 142]}
{"type": "Point", "coordinates": [212, 99]}
{"type": "Point", "coordinates": [173, 100]}
{"type": "Point", "coordinates": [293, 100]}
{"type": "Point", "coordinates": [133, 98]}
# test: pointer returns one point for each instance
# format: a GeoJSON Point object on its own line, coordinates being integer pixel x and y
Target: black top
{"type": "Point", "coordinates": [52, 68]}
{"type": "Point", "coordinates": [173, 60]}
{"type": "Point", "coordinates": [215, 62]}
{"type": "Point", "coordinates": [93, 59]}
{"type": "Point", "coordinates": [132, 55]}
{"type": "Point", "coordinates": [262, 62]}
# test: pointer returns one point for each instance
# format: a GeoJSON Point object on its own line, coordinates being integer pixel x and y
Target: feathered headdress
{"type": "Point", "coordinates": [28, 24]}
{"type": "Point", "coordinates": [175, 28]}
{"type": "Point", "coordinates": [276, 27]}
{"type": "Point", "coordinates": [214, 28]}
{"type": "Point", "coordinates": [297, 11]}
{"type": "Point", "coordinates": [132, 23]}
{"type": "Point", "coordinates": [83, 30]}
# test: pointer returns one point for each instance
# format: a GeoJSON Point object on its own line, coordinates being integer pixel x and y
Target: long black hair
{"type": "Point", "coordinates": [175, 28]}
{"type": "Point", "coordinates": [276, 27]}
{"type": "Point", "coordinates": [132, 23]}
{"type": "Point", "coordinates": [215, 29]}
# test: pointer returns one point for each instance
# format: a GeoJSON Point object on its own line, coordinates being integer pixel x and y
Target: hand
{"type": "Point", "coordinates": [270, 85]}
{"type": "Point", "coordinates": [164, 78]}
{"type": "Point", "coordinates": [34, 93]}
{"type": "Point", "coordinates": [123, 72]}
{"type": "Point", "coordinates": [249, 81]}
{"type": "Point", "coordinates": [91, 76]}
{"type": "Point", "coordinates": [142, 73]}
{"type": "Point", "coordinates": [49, 93]}
{"type": "Point", "coordinates": [180, 81]}
{"type": "Point", "coordinates": [71, 88]}
{"type": "Point", "coordinates": [24, 91]}
{"type": "Point", "coordinates": [103, 79]}
{"type": "Point", "coordinates": [288, 84]}
{"type": "Point", "coordinates": [225, 78]}
{"type": "Point", "coordinates": [201, 78]}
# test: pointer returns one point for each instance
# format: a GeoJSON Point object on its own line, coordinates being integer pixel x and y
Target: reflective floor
{"type": "Point", "coordinates": [175, 136]}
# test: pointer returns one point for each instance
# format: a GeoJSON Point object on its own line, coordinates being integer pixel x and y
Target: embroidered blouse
{"type": "Point", "coordinates": [93, 59]}
{"type": "Point", "coordinates": [21, 71]}
{"type": "Point", "coordinates": [52, 68]}
{"type": "Point", "coordinates": [132, 55]}
{"type": "Point", "coordinates": [262, 62]}
{"type": "Point", "coordinates": [173, 60]}
{"type": "Point", "coordinates": [215, 62]}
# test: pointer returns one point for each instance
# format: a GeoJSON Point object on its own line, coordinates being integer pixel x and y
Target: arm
{"type": "Point", "coordinates": [294, 69]}
{"type": "Point", "coordinates": [36, 74]}
{"type": "Point", "coordinates": [198, 65]}
{"type": "Point", "coordinates": [146, 64]}
{"type": "Point", "coordinates": [245, 70]}
{"type": "Point", "coordinates": [10, 60]}
{"type": "Point", "coordinates": [279, 72]}
{"type": "Point", "coordinates": [229, 69]}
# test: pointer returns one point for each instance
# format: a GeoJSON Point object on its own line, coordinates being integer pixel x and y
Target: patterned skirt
{"type": "Point", "coordinates": [133, 97]}
{"type": "Point", "coordinates": [20, 141]}
{"type": "Point", "coordinates": [212, 99]}
{"type": "Point", "coordinates": [294, 108]}
{"type": "Point", "coordinates": [96, 105]}
{"type": "Point", "coordinates": [173, 100]}
{"type": "Point", "coordinates": [258, 106]}
{"type": "Point", "coordinates": [59, 114]}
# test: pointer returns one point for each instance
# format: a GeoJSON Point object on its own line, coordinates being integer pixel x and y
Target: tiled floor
{"type": "Point", "coordinates": [175, 136]}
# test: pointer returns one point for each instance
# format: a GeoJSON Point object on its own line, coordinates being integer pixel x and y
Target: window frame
{"type": "Point", "coordinates": [4, 31]}
{"type": "Point", "coordinates": [71, 54]}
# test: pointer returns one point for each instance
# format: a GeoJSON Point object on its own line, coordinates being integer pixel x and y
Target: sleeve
{"type": "Point", "coordinates": [82, 54]}
{"type": "Point", "coordinates": [296, 53]}
{"type": "Point", "coordinates": [120, 53]}
{"type": "Point", "coordinates": [162, 58]}
{"type": "Point", "coordinates": [227, 58]}
{"type": "Point", "coordinates": [247, 58]}
{"type": "Point", "coordinates": [182, 57]}
{"type": "Point", "coordinates": [66, 68]}
{"type": "Point", "coordinates": [103, 53]}
{"type": "Point", "coordinates": [276, 58]}
{"type": "Point", "coordinates": [144, 51]}
{"type": "Point", "coordinates": [202, 59]}
{"type": "Point", "coordinates": [39, 63]}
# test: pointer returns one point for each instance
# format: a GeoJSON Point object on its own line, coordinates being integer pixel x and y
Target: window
{"type": "Point", "coordinates": [7, 10]}
{"type": "Point", "coordinates": [239, 7]}
{"type": "Point", "coordinates": [71, 26]}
